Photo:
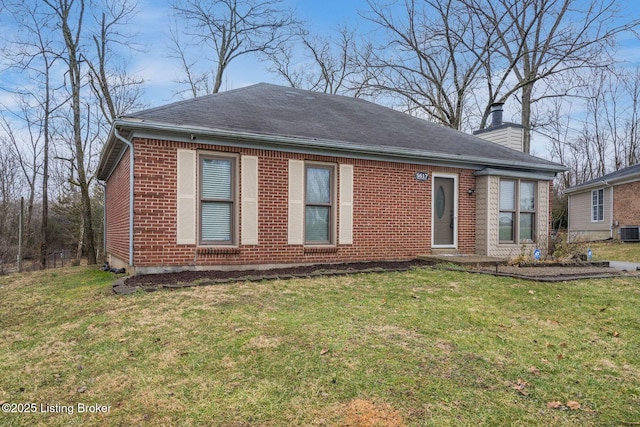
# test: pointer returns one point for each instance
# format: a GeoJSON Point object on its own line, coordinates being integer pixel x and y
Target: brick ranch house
{"type": "Point", "coordinates": [268, 175]}
{"type": "Point", "coordinates": [606, 208]}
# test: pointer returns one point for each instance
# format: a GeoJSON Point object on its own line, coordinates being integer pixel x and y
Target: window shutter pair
{"type": "Point", "coordinates": [296, 204]}
{"type": "Point", "coordinates": [187, 200]}
{"type": "Point", "coordinates": [187, 197]}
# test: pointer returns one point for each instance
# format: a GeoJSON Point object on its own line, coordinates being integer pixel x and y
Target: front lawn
{"type": "Point", "coordinates": [426, 347]}
{"type": "Point", "coordinates": [615, 251]}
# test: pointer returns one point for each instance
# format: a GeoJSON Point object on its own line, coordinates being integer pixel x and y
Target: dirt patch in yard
{"type": "Point", "coordinates": [365, 413]}
{"type": "Point", "coordinates": [544, 273]}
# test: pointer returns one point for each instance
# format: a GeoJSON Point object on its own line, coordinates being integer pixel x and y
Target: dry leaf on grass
{"type": "Point", "coordinates": [520, 387]}
{"type": "Point", "coordinates": [573, 405]}
{"type": "Point", "coordinates": [324, 351]}
{"type": "Point", "coordinates": [555, 405]}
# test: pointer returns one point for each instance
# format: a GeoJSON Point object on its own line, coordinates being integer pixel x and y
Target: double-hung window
{"type": "Point", "coordinates": [517, 211]}
{"type": "Point", "coordinates": [319, 204]}
{"type": "Point", "coordinates": [217, 200]}
{"type": "Point", "coordinates": [597, 205]}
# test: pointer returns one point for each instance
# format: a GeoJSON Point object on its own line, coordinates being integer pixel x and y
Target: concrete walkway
{"type": "Point", "coordinates": [624, 266]}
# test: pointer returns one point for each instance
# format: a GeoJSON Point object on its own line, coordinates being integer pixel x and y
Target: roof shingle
{"type": "Point", "coordinates": [266, 109]}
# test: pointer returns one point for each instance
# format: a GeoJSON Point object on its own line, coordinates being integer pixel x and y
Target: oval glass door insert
{"type": "Point", "coordinates": [440, 202]}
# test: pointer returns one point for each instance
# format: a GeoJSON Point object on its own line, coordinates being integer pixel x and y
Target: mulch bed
{"type": "Point", "coordinates": [539, 272]}
{"type": "Point", "coordinates": [153, 282]}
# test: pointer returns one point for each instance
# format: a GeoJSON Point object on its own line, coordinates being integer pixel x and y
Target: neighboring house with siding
{"type": "Point", "coordinates": [600, 208]}
{"type": "Point", "coordinates": [268, 175]}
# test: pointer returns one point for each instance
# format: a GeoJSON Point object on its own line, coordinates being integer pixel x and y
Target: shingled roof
{"type": "Point", "coordinates": [623, 175]}
{"type": "Point", "coordinates": [270, 113]}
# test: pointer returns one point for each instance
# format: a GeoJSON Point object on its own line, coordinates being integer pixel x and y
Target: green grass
{"type": "Point", "coordinates": [615, 250]}
{"type": "Point", "coordinates": [426, 347]}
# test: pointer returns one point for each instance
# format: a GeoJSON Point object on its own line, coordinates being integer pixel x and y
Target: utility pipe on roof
{"type": "Point", "coordinates": [131, 157]}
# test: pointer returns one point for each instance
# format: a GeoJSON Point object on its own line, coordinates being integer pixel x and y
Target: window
{"type": "Point", "coordinates": [516, 221]}
{"type": "Point", "coordinates": [319, 196]}
{"type": "Point", "coordinates": [597, 205]}
{"type": "Point", "coordinates": [217, 200]}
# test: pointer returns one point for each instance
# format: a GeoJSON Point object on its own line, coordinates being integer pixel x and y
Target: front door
{"type": "Point", "coordinates": [444, 212]}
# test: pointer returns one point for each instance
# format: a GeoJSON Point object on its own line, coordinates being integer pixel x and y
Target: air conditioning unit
{"type": "Point", "coordinates": [630, 234]}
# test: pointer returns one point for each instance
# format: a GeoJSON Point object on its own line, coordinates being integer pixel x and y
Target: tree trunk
{"type": "Point", "coordinates": [527, 90]}
{"type": "Point", "coordinates": [44, 233]}
{"type": "Point", "coordinates": [81, 238]}
{"type": "Point", "coordinates": [75, 77]}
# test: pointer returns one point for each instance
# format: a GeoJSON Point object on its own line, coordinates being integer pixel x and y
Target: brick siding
{"type": "Point", "coordinates": [626, 204]}
{"type": "Point", "coordinates": [391, 211]}
{"type": "Point", "coordinates": [117, 206]}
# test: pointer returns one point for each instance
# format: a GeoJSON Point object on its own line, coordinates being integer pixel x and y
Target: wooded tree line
{"type": "Point", "coordinates": [66, 75]}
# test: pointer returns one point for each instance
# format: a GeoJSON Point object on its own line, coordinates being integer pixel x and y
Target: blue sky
{"type": "Point", "coordinates": [323, 17]}
{"type": "Point", "coordinates": [160, 72]}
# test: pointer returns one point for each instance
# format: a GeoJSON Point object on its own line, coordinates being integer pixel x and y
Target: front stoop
{"type": "Point", "coordinates": [464, 260]}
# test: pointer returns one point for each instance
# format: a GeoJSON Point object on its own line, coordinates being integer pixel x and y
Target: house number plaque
{"type": "Point", "coordinates": [422, 176]}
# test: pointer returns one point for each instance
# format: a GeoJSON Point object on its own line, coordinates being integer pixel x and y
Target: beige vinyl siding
{"type": "Point", "coordinates": [186, 197]}
{"type": "Point", "coordinates": [509, 136]}
{"type": "Point", "coordinates": [482, 213]}
{"type": "Point", "coordinates": [492, 203]}
{"type": "Point", "coordinates": [581, 226]}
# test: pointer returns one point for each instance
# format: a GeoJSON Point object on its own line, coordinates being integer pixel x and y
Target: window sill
{"type": "Point", "coordinates": [224, 250]}
{"type": "Point", "coordinates": [320, 249]}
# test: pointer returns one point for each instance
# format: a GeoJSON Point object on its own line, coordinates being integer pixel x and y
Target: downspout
{"type": "Point", "coordinates": [610, 211]}
{"type": "Point", "coordinates": [104, 220]}
{"type": "Point", "coordinates": [131, 159]}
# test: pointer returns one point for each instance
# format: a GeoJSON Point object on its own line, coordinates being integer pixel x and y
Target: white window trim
{"type": "Point", "coordinates": [456, 178]}
{"type": "Point", "coordinates": [518, 211]}
{"type": "Point", "coordinates": [592, 205]}
{"type": "Point", "coordinates": [235, 184]}
{"type": "Point", "coordinates": [333, 235]}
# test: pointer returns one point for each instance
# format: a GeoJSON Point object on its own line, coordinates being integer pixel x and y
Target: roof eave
{"type": "Point", "coordinates": [347, 148]}
{"type": "Point", "coordinates": [603, 182]}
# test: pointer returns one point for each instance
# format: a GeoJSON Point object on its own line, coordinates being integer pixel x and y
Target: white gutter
{"type": "Point", "coordinates": [104, 220]}
{"type": "Point", "coordinates": [131, 159]}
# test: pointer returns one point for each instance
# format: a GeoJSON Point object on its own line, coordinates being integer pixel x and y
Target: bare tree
{"type": "Point", "coordinates": [229, 29]}
{"type": "Point", "coordinates": [74, 103]}
{"type": "Point", "coordinates": [326, 64]}
{"type": "Point", "coordinates": [539, 39]}
{"type": "Point", "coordinates": [9, 200]}
{"type": "Point", "coordinates": [116, 90]}
{"type": "Point", "coordinates": [25, 145]}
{"type": "Point", "coordinates": [431, 56]}
{"type": "Point", "coordinates": [70, 16]}
{"type": "Point", "coordinates": [631, 86]}
{"type": "Point", "coordinates": [34, 55]}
